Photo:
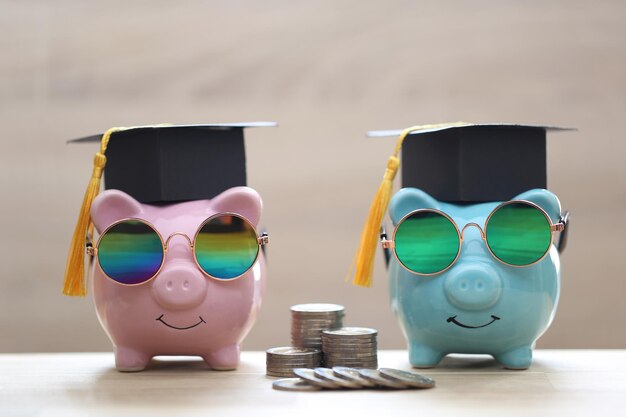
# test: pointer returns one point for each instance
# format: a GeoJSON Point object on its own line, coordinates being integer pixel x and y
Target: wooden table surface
{"type": "Point", "coordinates": [560, 382]}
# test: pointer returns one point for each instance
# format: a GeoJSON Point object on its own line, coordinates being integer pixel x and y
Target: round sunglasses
{"type": "Point", "coordinates": [518, 233]}
{"type": "Point", "coordinates": [131, 251]}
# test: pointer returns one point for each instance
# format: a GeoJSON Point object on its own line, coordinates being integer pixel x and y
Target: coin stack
{"type": "Point", "coordinates": [308, 321]}
{"type": "Point", "coordinates": [280, 361]}
{"type": "Point", "coordinates": [354, 347]}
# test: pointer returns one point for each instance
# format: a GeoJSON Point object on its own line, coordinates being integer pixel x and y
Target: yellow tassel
{"type": "Point", "coordinates": [363, 265]}
{"type": "Point", "coordinates": [75, 282]}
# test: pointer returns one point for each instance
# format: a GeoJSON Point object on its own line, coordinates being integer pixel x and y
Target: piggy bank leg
{"type": "Point", "coordinates": [130, 360]}
{"type": "Point", "coordinates": [518, 358]}
{"type": "Point", "coordinates": [424, 356]}
{"type": "Point", "coordinates": [223, 359]}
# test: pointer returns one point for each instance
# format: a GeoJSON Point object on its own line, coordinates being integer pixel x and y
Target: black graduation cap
{"type": "Point", "coordinates": [158, 164]}
{"type": "Point", "coordinates": [169, 163]}
{"type": "Point", "coordinates": [458, 163]}
{"type": "Point", "coordinates": [471, 163]}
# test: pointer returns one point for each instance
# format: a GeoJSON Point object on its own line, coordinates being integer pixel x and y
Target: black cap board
{"type": "Point", "coordinates": [472, 163]}
{"type": "Point", "coordinates": [170, 163]}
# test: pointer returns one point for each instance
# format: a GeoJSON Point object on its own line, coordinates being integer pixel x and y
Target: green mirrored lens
{"type": "Point", "coordinates": [426, 242]}
{"type": "Point", "coordinates": [518, 234]}
{"type": "Point", "coordinates": [226, 246]}
{"type": "Point", "coordinates": [130, 252]}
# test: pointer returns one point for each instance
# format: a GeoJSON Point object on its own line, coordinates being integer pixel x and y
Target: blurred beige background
{"type": "Point", "coordinates": [327, 71]}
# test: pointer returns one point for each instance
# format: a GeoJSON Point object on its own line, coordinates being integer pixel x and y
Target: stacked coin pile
{"type": "Point", "coordinates": [308, 320]}
{"type": "Point", "coordinates": [352, 378]}
{"type": "Point", "coordinates": [280, 361]}
{"type": "Point", "coordinates": [354, 347]}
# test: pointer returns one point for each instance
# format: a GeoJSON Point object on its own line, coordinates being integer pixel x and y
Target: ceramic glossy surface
{"type": "Point", "coordinates": [479, 305]}
{"type": "Point", "coordinates": [180, 311]}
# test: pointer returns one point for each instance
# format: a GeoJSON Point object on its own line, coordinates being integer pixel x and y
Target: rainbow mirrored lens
{"type": "Point", "coordinates": [130, 252]}
{"type": "Point", "coordinates": [226, 246]}
{"type": "Point", "coordinates": [426, 242]}
{"type": "Point", "coordinates": [518, 234]}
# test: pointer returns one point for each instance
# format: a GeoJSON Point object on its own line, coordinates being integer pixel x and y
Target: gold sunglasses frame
{"type": "Point", "coordinates": [262, 240]}
{"type": "Point", "coordinates": [554, 227]}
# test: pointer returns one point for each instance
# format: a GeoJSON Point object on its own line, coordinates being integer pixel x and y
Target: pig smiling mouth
{"type": "Point", "coordinates": [160, 318]}
{"type": "Point", "coordinates": [453, 320]}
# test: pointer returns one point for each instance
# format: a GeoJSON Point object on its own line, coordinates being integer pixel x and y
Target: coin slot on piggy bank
{"type": "Point", "coordinates": [473, 249]}
{"type": "Point", "coordinates": [178, 262]}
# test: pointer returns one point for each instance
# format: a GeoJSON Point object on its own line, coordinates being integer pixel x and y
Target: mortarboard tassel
{"type": "Point", "coordinates": [75, 283]}
{"type": "Point", "coordinates": [364, 260]}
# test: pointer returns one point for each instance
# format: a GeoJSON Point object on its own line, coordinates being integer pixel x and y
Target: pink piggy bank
{"type": "Point", "coordinates": [180, 311]}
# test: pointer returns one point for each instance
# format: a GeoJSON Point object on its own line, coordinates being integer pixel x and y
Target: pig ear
{"type": "Point", "coordinates": [111, 206]}
{"type": "Point", "coordinates": [240, 200]}
{"type": "Point", "coordinates": [407, 200]}
{"type": "Point", "coordinates": [544, 199]}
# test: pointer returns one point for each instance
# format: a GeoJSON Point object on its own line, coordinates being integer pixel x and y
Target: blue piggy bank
{"type": "Point", "coordinates": [478, 305]}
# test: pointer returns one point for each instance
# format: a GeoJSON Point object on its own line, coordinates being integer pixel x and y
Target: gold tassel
{"type": "Point", "coordinates": [75, 282]}
{"type": "Point", "coordinates": [364, 259]}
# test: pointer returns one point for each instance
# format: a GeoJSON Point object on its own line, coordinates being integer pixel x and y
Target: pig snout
{"type": "Point", "coordinates": [473, 286]}
{"type": "Point", "coordinates": [179, 286]}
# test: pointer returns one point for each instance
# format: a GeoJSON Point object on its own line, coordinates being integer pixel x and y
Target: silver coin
{"type": "Point", "coordinates": [276, 365]}
{"type": "Point", "coordinates": [309, 376]}
{"type": "Point", "coordinates": [292, 351]}
{"type": "Point", "coordinates": [378, 379]}
{"type": "Point", "coordinates": [292, 364]}
{"type": "Point", "coordinates": [350, 354]}
{"type": "Point", "coordinates": [284, 367]}
{"type": "Point", "coordinates": [406, 377]}
{"type": "Point", "coordinates": [329, 346]}
{"type": "Point", "coordinates": [354, 363]}
{"type": "Point", "coordinates": [370, 358]}
{"type": "Point", "coordinates": [310, 320]}
{"type": "Point", "coordinates": [327, 373]}
{"type": "Point", "coordinates": [332, 364]}
{"type": "Point", "coordinates": [347, 341]}
{"type": "Point", "coordinates": [364, 360]}
{"type": "Point", "coordinates": [293, 384]}
{"type": "Point", "coordinates": [307, 344]}
{"type": "Point", "coordinates": [317, 308]}
{"type": "Point", "coordinates": [318, 314]}
{"type": "Point", "coordinates": [280, 374]}
{"type": "Point", "coordinates": [294, 357]}
{"type": "Point", "coordinates": [351, 332]}
{"type": "Point", "coordinates": [321, 313]}
{"type": "Point", "coordinates": [352, 374]}
{"type": "Point", "coordinates": [348, 338]}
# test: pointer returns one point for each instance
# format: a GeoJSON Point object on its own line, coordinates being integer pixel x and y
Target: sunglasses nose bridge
{"type": "Point", "coordinates": [476, 225]}
{"type": "Point", "coordinates": [167, 242]}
